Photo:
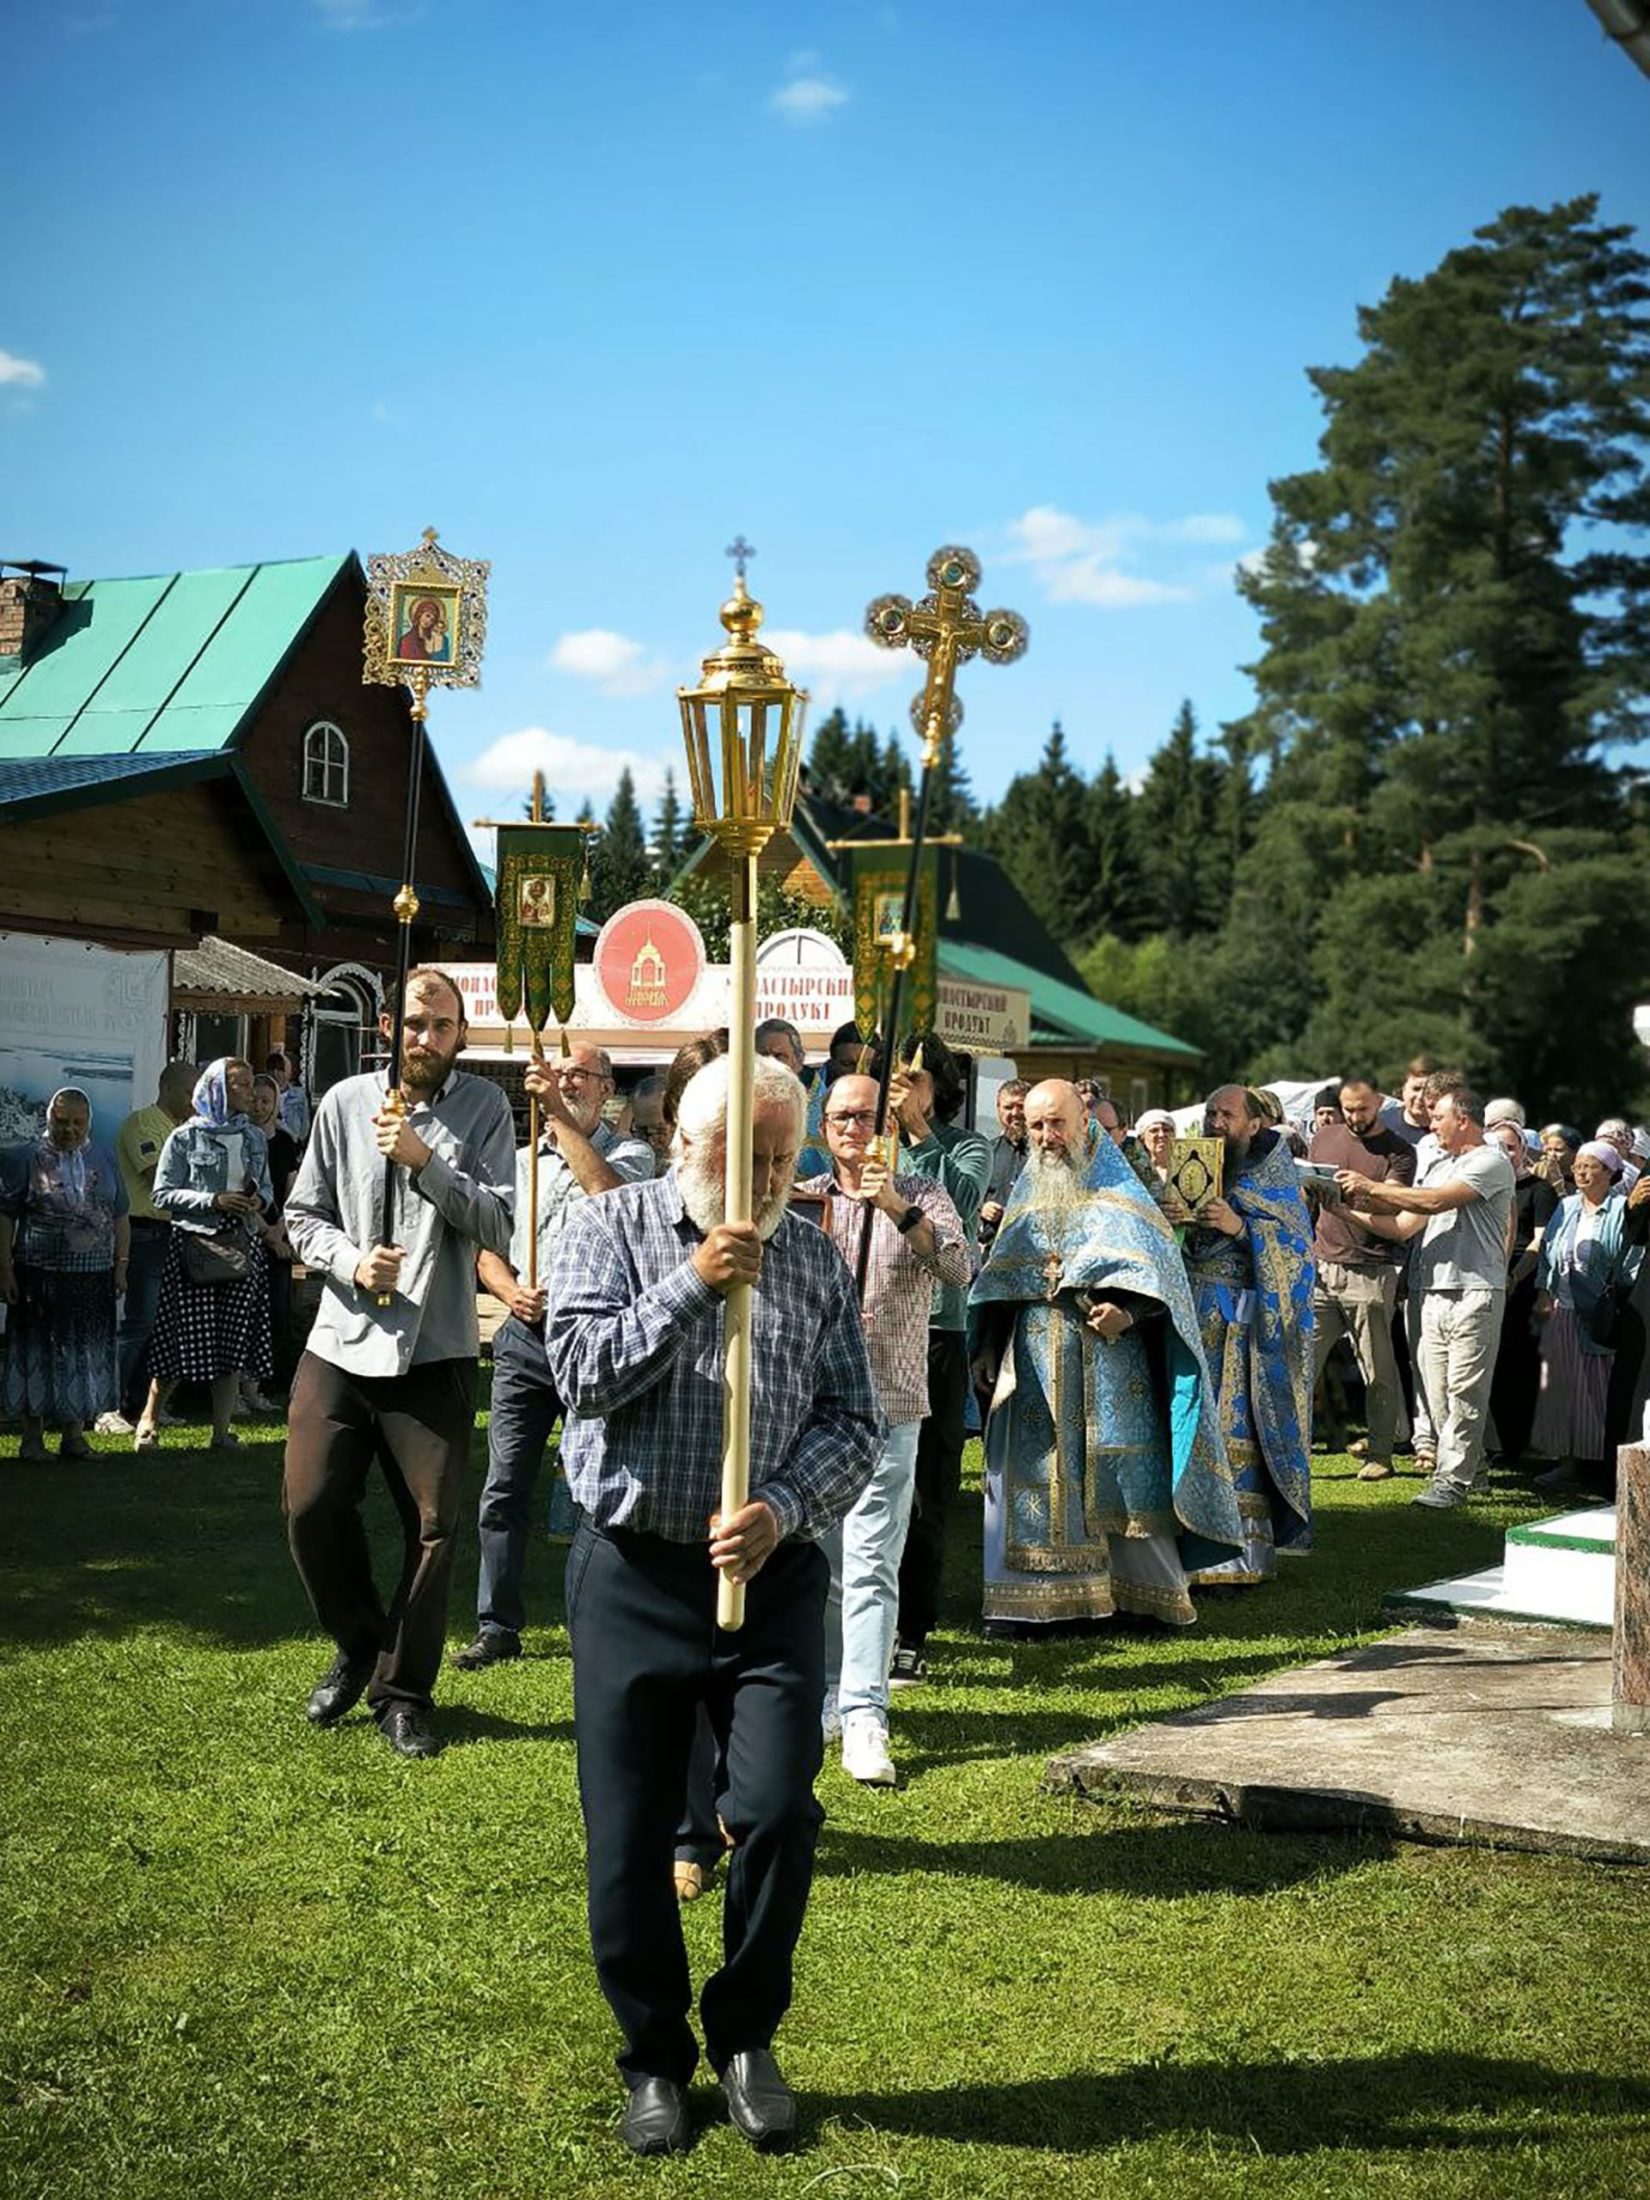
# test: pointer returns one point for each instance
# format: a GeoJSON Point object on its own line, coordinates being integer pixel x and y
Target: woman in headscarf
{"type": "Point", "coordinates": [64, 1237]}
{"type": "Point", "coordinates": [212, 1178]}
{"type": "Point", "coordinates": [1581, 1254]}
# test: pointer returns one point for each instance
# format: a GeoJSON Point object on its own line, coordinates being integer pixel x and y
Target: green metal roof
{"type": "Point", "coordinates": [167, 665]}
{"type": "Point", "coordinates": [1059, 1013]}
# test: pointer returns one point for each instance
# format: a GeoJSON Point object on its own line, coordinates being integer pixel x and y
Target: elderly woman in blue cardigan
{"type": "Point", "coordinates": [1582, 1254]}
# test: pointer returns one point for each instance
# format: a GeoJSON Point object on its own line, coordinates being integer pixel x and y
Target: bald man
{"type": "Point", "coordinates": [1105, 1481]}
{"type": "Point", "coordinates": [1249, 1256]}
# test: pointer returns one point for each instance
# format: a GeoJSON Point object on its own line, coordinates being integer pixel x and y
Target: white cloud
{"type": "Point", "coordinates": [807, 95]}
{"type": "Point", "coordinates": [572, 768]}
{"type": "Point", "coordinates": [1098, 561]}
{"type": "Point", "coordinates": [21, 374]}
{"type": "Point", "coordinates": [838, 664]}
{"type": "Point", "coordinates": [612, 662]}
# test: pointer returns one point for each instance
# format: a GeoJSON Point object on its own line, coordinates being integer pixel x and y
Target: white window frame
{"type": "Point", "coordinates": [326, 760]}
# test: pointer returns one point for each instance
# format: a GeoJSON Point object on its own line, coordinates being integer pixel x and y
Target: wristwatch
{"type": "Point", "coordinates": [909, 1220]}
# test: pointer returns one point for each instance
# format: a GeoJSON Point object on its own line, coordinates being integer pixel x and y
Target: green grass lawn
{"type": "Point", "coordinates": [240, 1957]}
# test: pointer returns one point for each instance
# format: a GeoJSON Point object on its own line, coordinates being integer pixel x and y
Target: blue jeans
{"type": "Point", "coordinates": [145, 1265]}
{"type": "Point", "coordinates": [862, 1606]}
{"type": "Point", "coordinates": [525, 1410]}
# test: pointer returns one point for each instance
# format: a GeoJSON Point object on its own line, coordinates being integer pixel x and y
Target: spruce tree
{"type": "Point", "coordinates": [670, 835]}
{"type": "Point", "coordinates": [1039, 833]}
{"type": "Point", "coordinates": [619, 868]}
{"type": "Point", "coordinates": [1115, 905]}
{"type": "Point", "coordinates": [1182, 892]}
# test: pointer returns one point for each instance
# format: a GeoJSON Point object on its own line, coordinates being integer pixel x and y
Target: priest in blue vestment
{"type": "Point", "coordinates": [1249, 1255]}
{"type": "Point", "coordinates": [1106, 1484]}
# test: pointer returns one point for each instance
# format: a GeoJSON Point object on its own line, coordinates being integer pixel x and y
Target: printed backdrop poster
{"type": "Point", "coordinates": [71, 1014]}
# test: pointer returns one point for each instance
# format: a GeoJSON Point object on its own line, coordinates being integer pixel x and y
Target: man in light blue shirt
{"type": "Point", "coordinates": [579, 1155]}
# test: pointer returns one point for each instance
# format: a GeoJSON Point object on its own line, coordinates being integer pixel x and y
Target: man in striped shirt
{"type": "Point", "coordinates": [917, 1240]}
{"type": "Point", "coordinates": [633, 1335]}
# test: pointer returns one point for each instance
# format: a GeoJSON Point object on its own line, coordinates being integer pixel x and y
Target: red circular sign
{"type": "Point", "coordinates": [648, 959]}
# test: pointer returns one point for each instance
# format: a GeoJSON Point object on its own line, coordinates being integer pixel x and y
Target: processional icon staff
{"type": "Point", "coordinates": [426, 625]}
{"type": "Point", "coordinates": [542, 878]}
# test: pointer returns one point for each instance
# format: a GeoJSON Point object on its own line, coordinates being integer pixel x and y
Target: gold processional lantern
{"type": "Point", "coordinates": [742, 726]}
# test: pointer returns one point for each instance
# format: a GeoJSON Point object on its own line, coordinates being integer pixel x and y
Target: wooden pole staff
{"type": "Point", "coordinates": [736, 1317]}
{"type": "Point", "coordinates": [405, 906]}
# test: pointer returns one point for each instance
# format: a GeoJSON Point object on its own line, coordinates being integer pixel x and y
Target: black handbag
{"type": "Point", "coordinates": [224, 1257]}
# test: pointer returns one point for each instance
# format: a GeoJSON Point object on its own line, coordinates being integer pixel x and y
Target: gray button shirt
{"type": "Point", "coordinates": [629, 1159]}
{"type": "Point", "coordinates": [463, 1199]}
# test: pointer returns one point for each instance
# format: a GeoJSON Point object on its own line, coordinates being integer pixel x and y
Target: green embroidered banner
{"type": "Point", "coordinates": [540, 872]}
{"type": "Point", "coordinates": [875, 884]}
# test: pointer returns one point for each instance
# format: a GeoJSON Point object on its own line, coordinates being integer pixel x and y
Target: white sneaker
{"type": "Point", "coordinates": [865, 1750]}
{"type": "Point", "coordinates": [113, 1424]}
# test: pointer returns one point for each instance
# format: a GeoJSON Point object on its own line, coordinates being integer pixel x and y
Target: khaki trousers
{"type": "Point", "coordinates": [1358, 1303]}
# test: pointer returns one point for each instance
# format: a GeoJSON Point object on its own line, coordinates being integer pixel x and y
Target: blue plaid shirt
{"type": "Point", "coordinates": [634, 1342]}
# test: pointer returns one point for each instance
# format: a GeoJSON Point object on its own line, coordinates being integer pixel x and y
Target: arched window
{"type": "Point", "coordinates": [326, 765]}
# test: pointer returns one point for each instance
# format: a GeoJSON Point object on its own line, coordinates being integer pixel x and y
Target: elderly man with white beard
{"type": "Point", "coordinates": [1106, 1484]}
{"type": "Point", "coordinates": [634, 1340]}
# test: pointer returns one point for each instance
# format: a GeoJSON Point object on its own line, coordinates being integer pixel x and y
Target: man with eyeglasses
{"type": "Point", "coordinates": [917, 1241]}
{"type": "Point", "coordinates": [579, 1155]}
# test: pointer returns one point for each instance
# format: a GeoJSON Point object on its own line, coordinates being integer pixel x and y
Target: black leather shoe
{"type": "Point", "coordinates": [407, 1729]}
{"type": "Point", "coordinates": [760, 2103]}
{"type": "Point", "coordinates": [655, 2118]}
{"type": "Point", "coordinates": [339, 1689]}
{"type": "Point", "coordinates": [487, 1649]}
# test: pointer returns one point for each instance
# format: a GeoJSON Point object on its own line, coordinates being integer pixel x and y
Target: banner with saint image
{"type": "Point", "coordinates": [874, 881]}
{"type": "Point", "coordinates": [540, 872]}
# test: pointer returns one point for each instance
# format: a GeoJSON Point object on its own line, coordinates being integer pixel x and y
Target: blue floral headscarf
{"type": "Point", "coordinates": [212, 1096]}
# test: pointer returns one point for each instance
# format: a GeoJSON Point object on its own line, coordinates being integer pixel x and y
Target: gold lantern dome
{"type": "Point", "coordinates": [742, 726]}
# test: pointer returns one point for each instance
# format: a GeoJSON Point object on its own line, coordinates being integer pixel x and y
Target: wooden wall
{"type": "Point", "coordinates": [132, 872]}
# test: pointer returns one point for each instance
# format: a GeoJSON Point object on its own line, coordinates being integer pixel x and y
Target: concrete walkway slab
{"type": "Point", "coordinates": [1482, 1732]}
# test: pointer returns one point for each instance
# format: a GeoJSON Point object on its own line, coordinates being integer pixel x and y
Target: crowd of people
{"type": "Point", "coordinates": [161, 1259]}
{"type": "Point", "coordinates": [1146, 1320]}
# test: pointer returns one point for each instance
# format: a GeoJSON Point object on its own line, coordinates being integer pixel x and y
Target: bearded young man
{"type": "Point", "coordinates": [1249, 1256]}
{"type": "Point", "coordinates": [390, 1368]}
{"type": "Point", "coordinates": [1105, 1480]}
{"type": "Point", "coordinates": [633, 1334]}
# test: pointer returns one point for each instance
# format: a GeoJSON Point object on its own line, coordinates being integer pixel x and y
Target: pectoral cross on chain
{"type": "Point", "coordinates": [945, 629]}
{"type": "Point", "coordinates": [1054, 1269]}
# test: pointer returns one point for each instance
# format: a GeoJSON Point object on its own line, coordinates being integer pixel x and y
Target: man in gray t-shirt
{"type": "Point", "coordinates": [1462, 1213]}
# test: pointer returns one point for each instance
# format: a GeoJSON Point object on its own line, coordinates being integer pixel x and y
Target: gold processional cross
{"type": "Point", "coordinates": [946, 629]}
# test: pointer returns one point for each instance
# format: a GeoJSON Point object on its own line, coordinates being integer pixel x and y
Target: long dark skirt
{"type": "Point", "coordinates": [1517, 1383]}
{"type": "Point", "coordinates": [60, 1361]}
{"type": "Point", "coordinates": [204, 1330]}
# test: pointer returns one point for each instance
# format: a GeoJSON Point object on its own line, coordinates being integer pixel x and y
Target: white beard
{"type": "Point", "coordinates": [704, 1195]}
{"type": "Point", "coordinates": [1055, 1191]}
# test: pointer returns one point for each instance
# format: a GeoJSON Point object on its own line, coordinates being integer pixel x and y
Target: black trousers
{"type": "Point", "coordinates": [419, 1425]}
{"type": "Point", "coordinates": [646, 1654]}
{"type": "Point", "coordinates": [939, 1478]}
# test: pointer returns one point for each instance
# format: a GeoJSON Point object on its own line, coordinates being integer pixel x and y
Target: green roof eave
{"type": "Point", "coordinates": [1060, 1013]}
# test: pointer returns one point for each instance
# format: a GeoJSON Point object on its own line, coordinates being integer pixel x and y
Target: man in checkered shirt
{"type": "Point", "coordinates": [633, 1336]}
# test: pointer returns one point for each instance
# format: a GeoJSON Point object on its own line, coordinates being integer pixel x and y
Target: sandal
{"type": "Point", "coordinates": [690, 1881]}
{"type": "Point", "coordinates": [145, 1437]}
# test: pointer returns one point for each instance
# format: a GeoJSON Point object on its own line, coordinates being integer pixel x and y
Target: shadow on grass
{"type": "Point", "coordinates": [1165, 1860]}
{"type": "Point", "coordinates": [1400, 2102]}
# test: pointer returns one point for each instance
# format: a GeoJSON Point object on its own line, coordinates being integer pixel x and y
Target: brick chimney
{"type": "Point", "coordinates": [31, 596]}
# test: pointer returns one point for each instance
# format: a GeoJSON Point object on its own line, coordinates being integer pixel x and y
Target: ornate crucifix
{"type": "Point", "coordinates": [946, 629]}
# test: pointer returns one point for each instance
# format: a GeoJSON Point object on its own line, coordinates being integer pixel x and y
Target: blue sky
{"type": "Point", "coordinates": [593, 289]}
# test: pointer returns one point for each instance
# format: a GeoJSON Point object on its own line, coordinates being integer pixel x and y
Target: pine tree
{"type": "Point", "coordinates": [670, 836]}
{"type": "Point", "coordinates": [1182, 892]}
{"type": "Point", "coordinates": [1039, 833]}
{"type": "Point", "coordinates": [1446, 653]}
{"type": "Point", "coordinates": [1115, 905]}
{"type": "Point", "coordinates": [619, 868]}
